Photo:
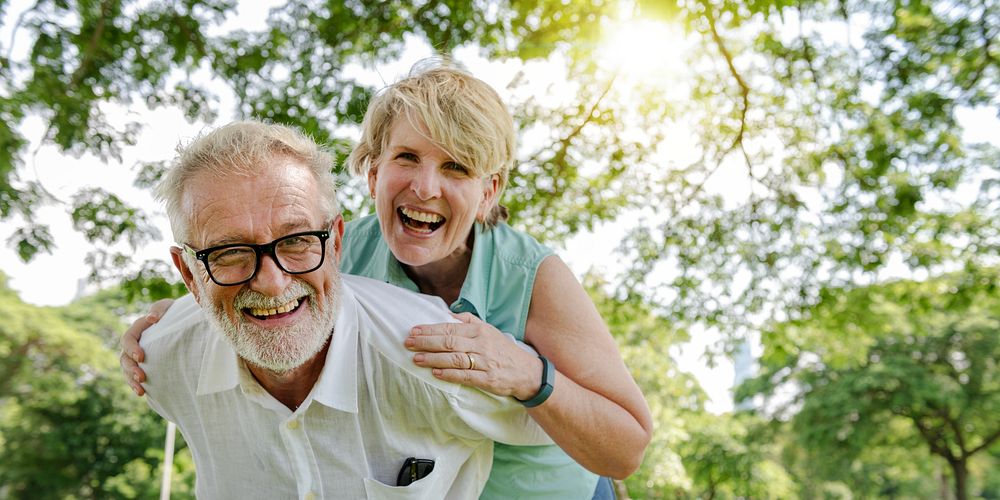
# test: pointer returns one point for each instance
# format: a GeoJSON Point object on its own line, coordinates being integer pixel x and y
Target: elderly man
{"type": "Point", "coordinates": [296, 382]}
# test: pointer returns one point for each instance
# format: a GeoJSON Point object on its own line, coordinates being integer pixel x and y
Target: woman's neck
{"type": "Point", "coordinates": [446, 276]}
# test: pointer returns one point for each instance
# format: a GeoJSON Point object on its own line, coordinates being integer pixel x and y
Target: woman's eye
{"type": "Point", "coordinates": [407, 157]}
{"type": "Point", "coordinates": [456, 168]}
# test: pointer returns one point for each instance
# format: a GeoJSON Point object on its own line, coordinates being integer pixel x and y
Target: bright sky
{"type": "Point", "coordinates": [57, 278]}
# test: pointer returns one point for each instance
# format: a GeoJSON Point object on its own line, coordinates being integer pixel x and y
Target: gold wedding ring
{"type": "Point", "coordinates": [472, 361]}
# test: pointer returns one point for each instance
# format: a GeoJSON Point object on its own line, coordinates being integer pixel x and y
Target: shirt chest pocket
{"type": "Point", "coordinates": [425, 488]}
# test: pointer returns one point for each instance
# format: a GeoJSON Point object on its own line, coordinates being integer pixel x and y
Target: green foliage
{"type": "Point", "coordinates": [902, 366]}
{"type": "Point", "coordinates": [69, 427]}
{"type": "Point", "coordinates": [840, 121]}
{"type": "Point", "coordinates": [727, 458]}
{"type": "Point", "coordinates": [644, 340]}
{"type": "Point", "coordinates": [82, 56]}
{"type": "Point", "coordinates": [826, 154]}
{"type": "Point", "coordinates": [103, 217]}
{"type": "Point", "coordinates": [693, 454]}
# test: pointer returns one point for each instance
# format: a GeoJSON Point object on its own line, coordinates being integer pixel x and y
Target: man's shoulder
{"type": "Point", "coordinates": [175, 347]}
{"type": "Point", "coordinates": [387, 313]}
{"type": "Point", "coordinates": [179, 339]}
{"type": "Point", "coordinates": [183, 316]}
{"type": "Point", "coordinates": [380, 297]}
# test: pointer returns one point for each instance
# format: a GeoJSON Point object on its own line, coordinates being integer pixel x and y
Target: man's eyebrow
{"type": "Point", "coordinates": [226, 239]}
{"type": "Point", "coordinates": [283, 230]}
{"type": "Point", "coordinates": [296, 227]}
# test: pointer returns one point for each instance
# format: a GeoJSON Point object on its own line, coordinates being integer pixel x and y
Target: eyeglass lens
{"type": "Point", "coordinates": [294, 254]}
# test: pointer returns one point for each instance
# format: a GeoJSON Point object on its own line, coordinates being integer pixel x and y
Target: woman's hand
{"type": "Point", "coordinates": [132, 354]}
{"type": "Point", "coordinates": [476, 354]}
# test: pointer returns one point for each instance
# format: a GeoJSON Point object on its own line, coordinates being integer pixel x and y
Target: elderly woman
{"type": "Point", "coordinates": [437, 148]}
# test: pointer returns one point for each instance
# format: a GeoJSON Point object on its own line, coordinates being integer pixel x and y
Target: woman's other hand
{"type": "Point", "coordinates": [132, 354]}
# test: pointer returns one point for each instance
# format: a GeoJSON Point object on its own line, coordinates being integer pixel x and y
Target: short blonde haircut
{"type": "Point", "coordinates": [243, 148]}
{"type": "Point", "coordinates": [464, 116]}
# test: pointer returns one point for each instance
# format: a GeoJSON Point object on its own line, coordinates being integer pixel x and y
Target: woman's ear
{"type": "Point", "coordinates": [372, 180]}
{"type": "Point", "coordinates": [490, 187]}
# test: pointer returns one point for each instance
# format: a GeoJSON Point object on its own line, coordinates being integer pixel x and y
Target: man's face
{"type": "Point", "coordinates": [277, 321]}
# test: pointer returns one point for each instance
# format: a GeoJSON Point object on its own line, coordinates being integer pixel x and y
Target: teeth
{"type": "Point", "coordinates": [271, 312]}
{"type": "Point", "coordinates": [422, 216]}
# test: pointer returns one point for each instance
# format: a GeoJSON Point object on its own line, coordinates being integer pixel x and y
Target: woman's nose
{"type": "Point", "coordinates": [426, 182]}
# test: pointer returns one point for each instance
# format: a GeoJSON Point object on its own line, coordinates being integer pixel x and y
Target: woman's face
{"type": "Point", "coordinates": [426, 202]}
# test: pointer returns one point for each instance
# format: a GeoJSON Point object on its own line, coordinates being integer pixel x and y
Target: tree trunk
{"type": "Point", "coordinates": [960, 470]}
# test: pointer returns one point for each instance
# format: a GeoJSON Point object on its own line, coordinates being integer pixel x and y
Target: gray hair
{"type": "Point", "coordinates": [243, 148]}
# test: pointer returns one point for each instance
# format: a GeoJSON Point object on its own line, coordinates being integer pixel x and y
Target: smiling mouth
{"type": "Point", "coordinates": [421, 222]}
{"type": "Point", "coordinates": [277, 312]}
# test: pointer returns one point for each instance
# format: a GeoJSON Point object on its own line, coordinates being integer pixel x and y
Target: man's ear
{"type": "Point", "coordinates": [177, 255]}
{"type": "Point", "coordinates": [337, 237]}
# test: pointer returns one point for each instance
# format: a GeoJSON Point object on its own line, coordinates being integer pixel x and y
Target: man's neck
{"type": "Point", "coordinates": [291, 387]}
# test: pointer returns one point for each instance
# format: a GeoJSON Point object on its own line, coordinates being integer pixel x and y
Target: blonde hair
{"type": "Point", "coordinates": [243, 148]}
{"type": "Point", "coordinates": [464, 116]}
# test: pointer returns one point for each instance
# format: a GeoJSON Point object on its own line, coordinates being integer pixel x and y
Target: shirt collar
{"type": "Point", "coordinates": [337, 385]}
{"type": "Point", "coordinates": [475, 288]}
{"type": "Point", "coordinates": [392, 269]}
{"type": "Point", "coordinates": [219, 366]}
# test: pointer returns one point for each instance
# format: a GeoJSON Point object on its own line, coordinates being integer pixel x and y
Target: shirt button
{"type": "Point", "coordinates": [293, 424]}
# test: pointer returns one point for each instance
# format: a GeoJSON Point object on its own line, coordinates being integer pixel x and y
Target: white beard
{"type": "Point", "coordinates": [280, 349]}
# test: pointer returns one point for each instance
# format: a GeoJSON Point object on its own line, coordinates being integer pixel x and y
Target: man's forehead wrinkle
{"type": "Point", "coordinates": [207, 217]}
{"type": "Point", "coordinates": [283, 208]}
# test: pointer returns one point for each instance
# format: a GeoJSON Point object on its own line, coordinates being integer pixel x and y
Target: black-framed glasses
{"type": "Point", "coordinates": [238, 263]}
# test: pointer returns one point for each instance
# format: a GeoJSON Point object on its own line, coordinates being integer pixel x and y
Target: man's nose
{"type": "Point", "coordinates": [426, 182]}
{"type": "Point", "coordinates": [270, 279]}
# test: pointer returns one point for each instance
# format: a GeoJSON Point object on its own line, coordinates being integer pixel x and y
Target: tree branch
{"type": "Point", "coordinates": [933, 440]}
{"type": "Point", "coordinates": [987, 442]}
{"type": "Point", "coordinates": [744, 88]}
{"type": "Point", "coordinates": [564, 142]}
{"type": "Point", "coordinates": [88, 54]}
{"type": "Point", "coordinates": [745, 103]}
{"type": "Point", "coordinates": [16, 28]}
{"type": "Point", "coordinates": [987, 42]}
{"type": "Point", "coordinates": [956, 428]}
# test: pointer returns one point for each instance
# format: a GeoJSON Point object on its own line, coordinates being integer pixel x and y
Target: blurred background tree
{"type": "Point", "coordinates": [68, 426]}
{"type": "Point", "coordinates": [788, 173]}
{"type": "Point", "coordinates": [884, 374]}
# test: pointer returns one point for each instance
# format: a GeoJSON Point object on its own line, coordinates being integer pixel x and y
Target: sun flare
{"type": "Point", "coordinates": [643, 49]}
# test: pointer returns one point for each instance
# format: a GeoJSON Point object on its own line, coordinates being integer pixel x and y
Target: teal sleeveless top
{"type": "Point", "coordinates": [497, 289]}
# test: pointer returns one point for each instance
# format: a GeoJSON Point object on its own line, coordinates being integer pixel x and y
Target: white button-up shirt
{"type": "Point", "coordinates": [370, 409]}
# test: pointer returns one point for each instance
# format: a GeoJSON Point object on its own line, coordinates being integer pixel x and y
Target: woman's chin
{"type": "Point", "coordinates": [413, 257]}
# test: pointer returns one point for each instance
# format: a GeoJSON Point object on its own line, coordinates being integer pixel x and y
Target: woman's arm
{"type": "Point", "coordinates": [132, 354]}
{"type": "Point", "coordinates": [596, 413]}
